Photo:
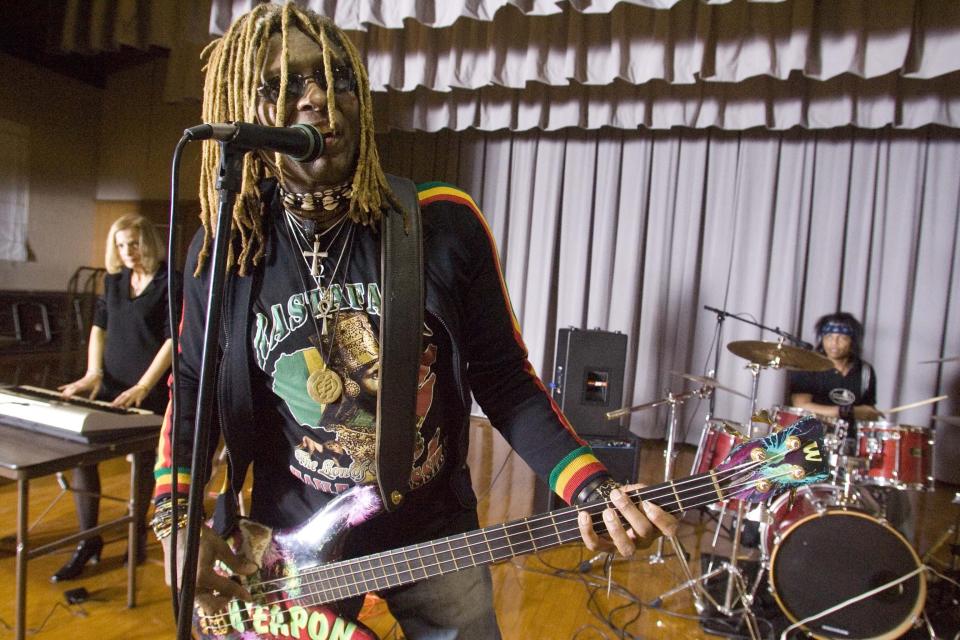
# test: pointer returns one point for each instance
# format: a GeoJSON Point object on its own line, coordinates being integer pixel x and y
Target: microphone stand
{"type": "Point", "coordinates": [229, 182]}
{"type": "Point", "coordinates": [721, 314]}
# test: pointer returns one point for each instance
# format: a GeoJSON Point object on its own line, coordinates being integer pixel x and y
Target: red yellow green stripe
{"type": "Point", "coordinates": [164, 454]}
{"type": "Point", "coordinates": [164, 479]}
{"type": "Point", "coordinates": [575, 470]}
{"type": "Point", "coordinates": [430, 192]}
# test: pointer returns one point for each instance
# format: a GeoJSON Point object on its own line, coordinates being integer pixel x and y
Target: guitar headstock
{"type": "Point", "coordinates": [765, 467]}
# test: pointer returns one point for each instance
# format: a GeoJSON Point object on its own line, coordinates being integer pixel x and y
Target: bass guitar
{"type": "Point", "coordinates": [301, 578]}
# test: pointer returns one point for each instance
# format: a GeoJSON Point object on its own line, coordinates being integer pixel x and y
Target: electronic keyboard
{"type": "Point", "coordinates": [75, 418]}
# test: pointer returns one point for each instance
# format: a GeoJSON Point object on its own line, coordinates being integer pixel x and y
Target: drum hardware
{"type": "Point", "coordinates": [619, 413]}
{"type": "Point", "coordinates": [722, 315]}
{"type": "Point", "coordinates": [670, 453]}
{"type": "Point", "coordinates": [734, 576]}
{"type": "Point", "coordinates": [709, 382]}
{"type": "Point", "coordinates": [754, 389]}
{"type": "Point", "coordinates": [700, 594]}
{"type": "Point", "coordinates": [951, 535]}
{"type": "Point", "coordinates": [735, 585]}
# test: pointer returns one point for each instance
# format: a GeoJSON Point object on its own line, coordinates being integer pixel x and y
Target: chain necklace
{"type": "Point", "coordinates": [314, 256]}
{"type": "Point", "coordinates": [324, 385]}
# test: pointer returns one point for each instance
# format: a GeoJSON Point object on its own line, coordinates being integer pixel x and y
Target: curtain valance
{"type": "Point", "coordinates": [872, 103]}
{"type": "Point", "coordinates": [690, 42]}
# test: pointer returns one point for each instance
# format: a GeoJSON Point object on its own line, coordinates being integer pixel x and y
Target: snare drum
{"type": "Point", "coordinates": [898, 456]}
{"type": "Point", "coordinates": [825, 555]}
{"type": "Point", "coordinates": [786, 416]}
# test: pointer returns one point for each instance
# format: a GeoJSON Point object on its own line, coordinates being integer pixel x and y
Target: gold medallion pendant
{"type": "Point", "coordinates": [324, 386]}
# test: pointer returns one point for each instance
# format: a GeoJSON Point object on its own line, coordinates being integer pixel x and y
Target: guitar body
{"type": "Point", "coordinates": [301, 577]}
{"type": "Point", "coordinates": [284, 588]}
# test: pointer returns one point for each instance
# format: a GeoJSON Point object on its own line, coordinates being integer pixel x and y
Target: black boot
{"type": "Point", "coordinates": [87, 551]}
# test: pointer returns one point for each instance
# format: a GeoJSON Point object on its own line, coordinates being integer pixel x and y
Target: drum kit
{"type": "Point", "coordinates": [833, 561]}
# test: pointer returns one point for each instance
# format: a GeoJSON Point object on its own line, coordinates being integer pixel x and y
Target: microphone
{"type": "Point", "coordinates": [302, 142]}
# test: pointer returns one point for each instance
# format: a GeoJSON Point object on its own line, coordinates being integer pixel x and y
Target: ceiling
{"type": "Point", "coordinates": [32, 33]}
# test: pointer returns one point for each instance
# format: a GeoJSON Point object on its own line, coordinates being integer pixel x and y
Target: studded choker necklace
{"type": "Point", "coordinates": [323, 203]}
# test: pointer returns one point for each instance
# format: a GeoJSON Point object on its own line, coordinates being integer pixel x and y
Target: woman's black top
{"type": "Point", "coordinates": [136, 329]}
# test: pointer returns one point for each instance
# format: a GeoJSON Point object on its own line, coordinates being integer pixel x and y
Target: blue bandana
{"type": "Point", "coordinates": [836, 327]}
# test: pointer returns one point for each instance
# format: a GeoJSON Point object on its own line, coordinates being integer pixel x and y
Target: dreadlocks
{"type": "Point", "coordinates": [233, 66]}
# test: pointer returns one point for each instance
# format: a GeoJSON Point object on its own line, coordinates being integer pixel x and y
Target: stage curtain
{"type": "Point", "coordinates": [691, 42]}
{"type": "Point", "coordinates": [591, 64]}
{"type": "Point", "coordinates": [761, 101]}
{"type": "Point", "coordinates": [635, 231]}
{"type": "Point", "coordinates": [734, 65]}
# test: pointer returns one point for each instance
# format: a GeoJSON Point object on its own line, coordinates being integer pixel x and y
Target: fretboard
{"type": "Point", "coordinates": [347, 578]}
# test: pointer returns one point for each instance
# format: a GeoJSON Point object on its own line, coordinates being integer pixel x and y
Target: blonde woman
{"type": "Point", "coordinates": [127, 359]}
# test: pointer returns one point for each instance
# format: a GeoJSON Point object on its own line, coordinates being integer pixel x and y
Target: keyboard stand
{"type": "Point", "coordinates": [25, 456]}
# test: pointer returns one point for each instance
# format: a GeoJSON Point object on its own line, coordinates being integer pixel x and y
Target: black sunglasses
{"type": "Point", "coordinates": [343, 81]}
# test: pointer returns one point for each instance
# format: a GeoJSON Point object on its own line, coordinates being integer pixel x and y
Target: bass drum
{"type": "Point", "coordinates": [838, 554]}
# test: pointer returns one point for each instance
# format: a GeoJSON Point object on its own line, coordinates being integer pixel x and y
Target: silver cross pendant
{"type": "Point", "coordinates": [316, 266]}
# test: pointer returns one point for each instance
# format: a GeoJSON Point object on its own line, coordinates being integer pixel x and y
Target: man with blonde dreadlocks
{"type": "Point", "coordinates": [299, 359]}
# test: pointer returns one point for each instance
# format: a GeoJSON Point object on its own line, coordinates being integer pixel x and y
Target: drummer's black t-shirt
{"type": "Point", "coordinates": [859, 386]}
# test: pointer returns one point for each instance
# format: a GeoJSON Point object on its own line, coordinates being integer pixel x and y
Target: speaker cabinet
{"type": "Point", "coordinates": [588, 379]}
{"type": "Point", "coordinates": [621, 457]}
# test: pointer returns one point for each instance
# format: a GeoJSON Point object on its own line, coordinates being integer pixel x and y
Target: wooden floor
{"type": "Point", "coordinates": [543, 596]}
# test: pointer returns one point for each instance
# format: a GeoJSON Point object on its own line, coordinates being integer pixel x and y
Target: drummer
{"type": "Point", "coordinates": [849, 390]}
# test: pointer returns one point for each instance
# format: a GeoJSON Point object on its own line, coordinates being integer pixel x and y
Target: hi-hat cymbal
{"type": "Point", "coordinates": [779, 356]}
{"type": "Point", "coordinates": [951, 420]}
{"type": "Point", "coordinates": [949, 359]}
{"type": "Point", "coordinates": [708, 382]}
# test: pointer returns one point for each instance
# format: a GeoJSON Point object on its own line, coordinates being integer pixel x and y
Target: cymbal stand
{"type": "Point", "coordinates": [954, 544]}
{"type": "Point", "coordinates": [672, 400]}
{"type": "Point", "coordinates": [700, 594]}
{"type": "Point", "coordinates": [670, 455]}
{"type": "Point", "coordinates": [741, 506]}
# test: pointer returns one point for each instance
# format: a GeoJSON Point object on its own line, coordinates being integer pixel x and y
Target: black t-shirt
{"type": "Point", "coordinates": [311, 451]}
{"type": "Point", "coordinates": [136, 329]}
{"type": "Point", "coordinates": [831, 387]}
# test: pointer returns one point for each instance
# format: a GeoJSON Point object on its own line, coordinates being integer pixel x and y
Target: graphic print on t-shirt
{"type": "Point", "coordinates": [336, 442]}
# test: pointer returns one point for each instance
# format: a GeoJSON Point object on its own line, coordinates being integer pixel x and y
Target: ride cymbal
{"type": "Point", "coordinates": [779, 356]}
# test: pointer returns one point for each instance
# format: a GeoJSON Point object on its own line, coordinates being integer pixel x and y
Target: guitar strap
{"type": "Point", "coordinates": [401, 334]}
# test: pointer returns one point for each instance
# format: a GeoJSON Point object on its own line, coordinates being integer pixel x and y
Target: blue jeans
{"type": "Point", "coordinates": [455, 606]}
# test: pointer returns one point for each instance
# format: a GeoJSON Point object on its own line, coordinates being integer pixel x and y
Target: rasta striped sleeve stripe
{"type": "Point", "coordinates": [430, 192]}
{"type": "Point", "coordinates": [574, 471]}
{"type": "Point", "coordinates": [164, 479]}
